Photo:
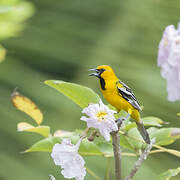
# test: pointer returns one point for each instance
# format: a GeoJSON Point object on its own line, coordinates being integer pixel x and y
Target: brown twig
{"type": "Point", "coordinates": [117, 154]}
{"type": "Point", "coordinates": [84, 133]}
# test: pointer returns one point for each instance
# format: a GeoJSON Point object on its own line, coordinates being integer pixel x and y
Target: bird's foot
{"type": "Point", "coordinates": [119, 121]}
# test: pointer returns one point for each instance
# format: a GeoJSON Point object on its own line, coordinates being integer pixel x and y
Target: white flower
{"type": "Point", "coordinates": [66, 155]}
{"type": "Point", "coordinates": [169, 61]}
{"type": "Point", "coordinates": [52, 177]}
{"type": "Point", "coordinates": [100, 117]}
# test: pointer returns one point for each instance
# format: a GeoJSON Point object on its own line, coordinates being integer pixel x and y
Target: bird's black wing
{"type": "Point", "coordinates": [128, 95]}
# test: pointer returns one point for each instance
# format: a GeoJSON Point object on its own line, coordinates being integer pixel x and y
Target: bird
{"type": "Point", "coordinates": [120, 96]}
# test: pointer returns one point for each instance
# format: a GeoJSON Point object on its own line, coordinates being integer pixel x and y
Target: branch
{"type": "Point", "coordinates": [84, 133]}
{"type": "Point", "coordinates": [93, 174]}
{"type": "Point", "coordinates": [141, 159]}
{"type": "Point", "coordinates": [117, 154]}
{"type": "Point", "coordinates": [170, 151]}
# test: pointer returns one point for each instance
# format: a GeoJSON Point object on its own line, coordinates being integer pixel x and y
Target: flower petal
{"type": "Point", "coordinates": [100, 117]}
{"type": "Point", "coordinates": [66, 155]}
{"type": "Point", "coordinates": [169, 61]}
{"type": "Point", "coordinates": [52, 177]}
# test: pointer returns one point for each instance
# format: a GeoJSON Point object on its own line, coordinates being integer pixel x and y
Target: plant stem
{"type": "Point", "coordinates": [117, 154]}
{"type": "Point", "coordinates": [141, 159]}
{"type": "Point", "coordinates": [84, 133]}
{"type": "Point", "coordinates": [171, 151]}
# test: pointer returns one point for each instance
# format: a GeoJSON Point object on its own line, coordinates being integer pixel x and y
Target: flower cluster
{"type": "Point", "coordinates": [100, 117]}
{"type": "Point", "coordinates": [169, 61]}
{"type": "Point", "coordinates": [66, 154]}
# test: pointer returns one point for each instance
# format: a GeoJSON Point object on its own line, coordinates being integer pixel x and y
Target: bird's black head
{"type": "Point", "coordinates": [103, 72]}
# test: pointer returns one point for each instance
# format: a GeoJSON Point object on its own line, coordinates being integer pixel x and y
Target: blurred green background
{"type": "Point", "coordinates": [62, 40]}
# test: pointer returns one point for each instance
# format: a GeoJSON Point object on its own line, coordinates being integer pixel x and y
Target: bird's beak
{"type": "Point", "coordinates": [96, 73]}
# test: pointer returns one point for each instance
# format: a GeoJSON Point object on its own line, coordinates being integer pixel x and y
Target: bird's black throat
{"type": "Point", "coordinates": [102, 83]}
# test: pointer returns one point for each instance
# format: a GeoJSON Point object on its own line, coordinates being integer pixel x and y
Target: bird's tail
{"type": "Point", "coordinates": [143, 132]}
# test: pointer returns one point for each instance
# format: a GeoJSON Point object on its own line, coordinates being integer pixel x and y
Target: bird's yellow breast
{"type": "Point", "coordinates": [112, 95]}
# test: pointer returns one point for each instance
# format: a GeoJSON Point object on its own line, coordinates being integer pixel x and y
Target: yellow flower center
{"type": "Point", "coordinates": [101, 116]}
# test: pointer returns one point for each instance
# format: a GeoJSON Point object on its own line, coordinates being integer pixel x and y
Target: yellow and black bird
{"type": "Point", "coordinates": [119, 95]}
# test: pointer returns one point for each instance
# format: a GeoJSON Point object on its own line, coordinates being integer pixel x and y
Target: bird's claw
{"type": "Point", "coordinates": [119, 121]}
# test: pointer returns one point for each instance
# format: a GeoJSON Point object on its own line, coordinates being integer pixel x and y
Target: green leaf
{"type": "Point", "coordinates": [132, 140]}
{"type": "Point", "coordinates": [124, 142]}
{"type": "Point", "coordinates": [169, 174]}
{"type": "Point", "coordinates": [86, 148]}
{"type": "Point", "coordinates": [153, 121]}
{"type": "Point", "coordinates": [2, 53]}
{"type": "Point", "coordinates": [163, 135]}
{"type": "Point", "coordinates": [104, 146]}
{"type": "Point", "coordinates": [121, 114]}
{"type": "Point", "coordinates": [175, 132]}
{"type": "Point", "coordinates": [44, 145]}
{"type": "Point", "coordinates": [42, 130]}
{"type": "Point", "coordinates": [81, 95]}
{"type": "Point", "coordinates": [47, 144]}
{"type": "Point", "coordinates": [13, 14]}
{"type": "Point", "coordinates": [135, 140]}
{"type": "Point", "coordinates": [147, 121]}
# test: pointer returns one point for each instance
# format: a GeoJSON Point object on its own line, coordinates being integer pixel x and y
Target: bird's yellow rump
{"type": "Point", "coordinates": [119, 95]}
